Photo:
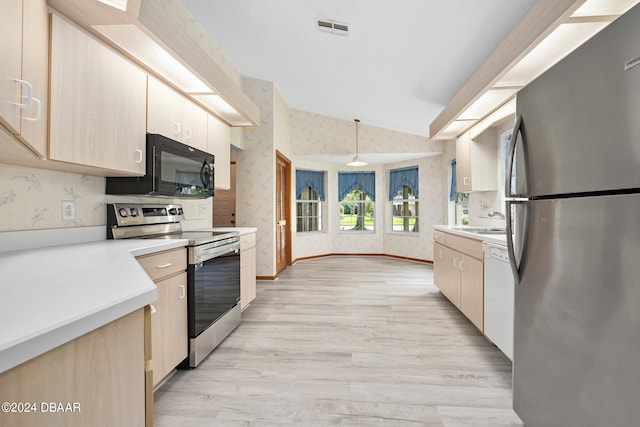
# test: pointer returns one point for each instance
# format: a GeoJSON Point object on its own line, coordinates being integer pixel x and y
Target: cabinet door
{"type": "Point", "coordinates": [169, 326]}
{"type": "Point", "coordinates": [463, 164]}
{"type": "Point", "coordinates": [98, 103]}
{"type": "Point", "coordinates": [247, 276]}
{"type": "Point", "coordinates": [194, 125]}
{"type": "Point", "coordinates": [472, 289]}
{"type": "Point", "coordinates": [451, 285]}
{"type": "Point", "coordinates": [439, 268]}
{"type": "Point", "coordinates": [164, 113]}
{"type": "Point", "coordinates": [35, 70]}
{"type": "Point", "coordinates": [11, 63]}
{"type": "Point", "coordinates": [219, 144]}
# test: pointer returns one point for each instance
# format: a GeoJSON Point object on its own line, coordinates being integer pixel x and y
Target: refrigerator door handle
{"type": "Point", "coordinates": [512, 201]}
{"type": "Point", "coordinates": [517, 127]}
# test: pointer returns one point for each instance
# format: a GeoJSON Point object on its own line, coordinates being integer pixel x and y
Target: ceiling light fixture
{"type": "Point", "coordinates": [356, 159]}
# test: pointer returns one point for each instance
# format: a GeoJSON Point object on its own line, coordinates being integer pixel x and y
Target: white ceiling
{"type": "Point", "coordinates": [401, 63]}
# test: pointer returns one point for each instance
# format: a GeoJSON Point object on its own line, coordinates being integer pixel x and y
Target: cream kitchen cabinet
{"type": "Point", "coordinates": [458, 273]}
{"type": "Point", "coordinates": [24, 68]}
{"type": "Point", "coordinates": [98, 103]}
{"type": "Point", "coordinates": [247, 269]}
{"type": "Point", "coordinates": [174, 116]}
{"type": "Point", "coordinates": [169, 313]}
{"type": "Point", "coordinates": [476, 162]}
{"type": "Point", "coordinates": [219, 144]}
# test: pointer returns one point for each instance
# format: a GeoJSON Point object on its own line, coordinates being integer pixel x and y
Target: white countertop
{"type": "Point", "coordinates": [241, 230]}
{"type": "Point", "coordinates": [500, 239]}
{"type": "Point", "coordinates": [53, 295]}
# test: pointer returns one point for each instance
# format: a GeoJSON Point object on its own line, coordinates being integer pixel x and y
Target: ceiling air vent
{"type": "Point", "coordinates": [331, 26]}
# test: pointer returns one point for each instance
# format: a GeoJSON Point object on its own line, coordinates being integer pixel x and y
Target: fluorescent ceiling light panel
{"type": "Point", "coordinates": [486, 103]}
{"type": "Point", "coordinates": [220, 106]}
{"type": "Point", "coordinates": [604, 7]}
{"type": "Point", "coordinates": [563, 40]}
{"type": "Point", "coordinates": [134, 41]}
{"type": "Point", "coordinates": [118, 4]}
{"type": "Point", "coordinates": [455, 128]}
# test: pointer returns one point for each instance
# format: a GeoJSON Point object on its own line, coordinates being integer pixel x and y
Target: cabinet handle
{"type": "Point", "coordinates": [139, 157]}
{"type": "Point", "coordinates": [183, 292]}
{"type": "Point", "coordinates": [454, 262]}
{"type": "Point", "coordinates": [38, 111]}
{"type": "Point", "coordinates": [164, 265]}
{"type": "Point", "coordinates": [440, 254]}
{"type": "Point", "coordinates": [28, 98]}
{"type": "Point", "coordinates": [176, 129]}
{"type": "Point", "coordinates": [187, 134]}
{"type": "Point", "coordinates": [460, 265]}
{"type": "Point", "coordinates": [153, 309]}
{"type": "Point", "coordinates": [465, 180]}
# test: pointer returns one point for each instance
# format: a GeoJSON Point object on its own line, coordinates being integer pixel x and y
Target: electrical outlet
{"type": "Point", "coordinates": [68, 211]}
{"type": "Point", "coordinates": [202, 209]}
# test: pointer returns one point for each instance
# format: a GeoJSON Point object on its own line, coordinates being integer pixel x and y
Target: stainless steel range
{"type": "Point", "coordinates": [213, 270]}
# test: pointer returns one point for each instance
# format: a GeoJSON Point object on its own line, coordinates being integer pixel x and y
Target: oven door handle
{"type": "Point", "coordinates": [207, 254]}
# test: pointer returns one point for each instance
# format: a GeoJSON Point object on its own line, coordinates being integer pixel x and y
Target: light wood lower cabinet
{"type": "Point", "coordinates": [247, 269]}
{"type": "Point", "coordinates": [98, 378]}
{"type": "Point", "coordinates": [169, 336]}
{"type": "Point", "coordinates": [459, 274]}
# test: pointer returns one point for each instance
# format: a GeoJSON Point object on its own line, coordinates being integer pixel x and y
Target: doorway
{"type": "Point", "coordinates": [283, 212]}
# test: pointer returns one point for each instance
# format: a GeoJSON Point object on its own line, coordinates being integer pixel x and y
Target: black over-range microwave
{"type": "Point", "coordinates": [173, 169]}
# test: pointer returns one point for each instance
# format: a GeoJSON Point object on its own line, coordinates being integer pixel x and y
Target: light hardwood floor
{"type": "Point", "coordinates": [350, 341]}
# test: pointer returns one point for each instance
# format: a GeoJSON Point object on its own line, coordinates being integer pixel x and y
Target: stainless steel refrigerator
{"type": "Point", "coordinates": [574, 210]}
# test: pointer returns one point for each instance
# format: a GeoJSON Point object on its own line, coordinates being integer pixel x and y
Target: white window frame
{"type": "Point", "coordinates": [319, 210]}
{"type": "Point", "coordinates": [415, 213]}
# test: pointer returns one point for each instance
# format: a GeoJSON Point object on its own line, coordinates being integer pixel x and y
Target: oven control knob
{"type": "Point", "coordinates": [134, 211]}
{"type": "Point", "coordinates": [173, 211]}
{"type": "Point", "coordinates": [180, 211]}
{"type": "Point", "coordinates": [124, 212]}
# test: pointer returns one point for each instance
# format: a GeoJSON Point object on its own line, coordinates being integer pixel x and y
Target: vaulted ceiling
{"type": "Point", "coordinates": [400, 64]}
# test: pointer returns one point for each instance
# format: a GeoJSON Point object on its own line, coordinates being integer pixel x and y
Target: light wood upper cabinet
{"type": "Point", "coordinates": [476, 162]}
{"type": "Point", "coordinates": [24, 71]}
{"type": "Point", "coordinates": [98, 103]}
{"type": "Point", "coordinates": [219, 144]}
{"type": "Point", "coordinates": [174, 116]}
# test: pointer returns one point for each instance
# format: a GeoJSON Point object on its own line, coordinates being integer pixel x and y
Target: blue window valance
{"type": "Point", "coordinates": [311, 179]}
{"type": "Point", "coordinates": [398, 178]}
{"type": "Point", "coordinates": [363, 181]}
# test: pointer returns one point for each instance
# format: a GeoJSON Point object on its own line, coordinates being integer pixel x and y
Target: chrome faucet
{"type": "Point", "coordinates": [496, 214]}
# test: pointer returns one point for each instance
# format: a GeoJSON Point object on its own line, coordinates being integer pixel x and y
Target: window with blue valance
{"type": "Point", "coordinates": [311, 179]}
{"type": "Point", "coordinates": [363, 181]}
{"type": "Point", "coordinates": [398, 178]}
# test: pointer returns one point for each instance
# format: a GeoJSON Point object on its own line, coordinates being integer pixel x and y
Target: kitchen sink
{"type": "Point", "coordinates": [481, 230]}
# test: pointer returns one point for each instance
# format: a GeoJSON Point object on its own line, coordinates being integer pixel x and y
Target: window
{"type": "Point", "coordinates": [357, 194]}
{"type": "Point", "coordinates": [403, 195]}
{"type": "Point", "coordinates": [309, 198]}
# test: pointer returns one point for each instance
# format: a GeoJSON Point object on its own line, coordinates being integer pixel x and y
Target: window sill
{"type": "Point", "coordinates": [403, 233]}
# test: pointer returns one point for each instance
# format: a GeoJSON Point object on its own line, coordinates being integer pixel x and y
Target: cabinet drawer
{"type": "Point", "coordinates": [163, 264]}
{"type": "Point", "coordinates": [438, 236]}
{"type": "Point", "coordinates": [247, 241]}
{"type": "Point", "coordinates": [470, 247]}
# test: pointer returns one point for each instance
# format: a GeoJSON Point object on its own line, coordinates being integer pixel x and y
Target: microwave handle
{"type": "Point", "coordinates": [206, 175]}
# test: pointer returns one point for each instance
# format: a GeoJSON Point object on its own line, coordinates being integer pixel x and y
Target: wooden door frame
{"type": "Point", "coordinates": [287, 211]}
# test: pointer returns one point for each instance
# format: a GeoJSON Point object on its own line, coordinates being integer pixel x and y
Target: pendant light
{"type": "Point", "coordinates": [356, 159]}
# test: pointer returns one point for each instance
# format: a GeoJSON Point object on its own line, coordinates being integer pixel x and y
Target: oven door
{"type": "Point", "coordinates": [213, 287]}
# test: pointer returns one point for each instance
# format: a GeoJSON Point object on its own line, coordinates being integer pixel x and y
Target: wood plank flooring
{"type": "Point", "coordinates": [347, 341]}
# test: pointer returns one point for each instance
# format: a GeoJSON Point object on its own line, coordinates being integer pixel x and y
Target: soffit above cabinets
{"type": "Point", "coordinates": [550, 31]}
{"type": "Point", "coordinates": [163, 38]}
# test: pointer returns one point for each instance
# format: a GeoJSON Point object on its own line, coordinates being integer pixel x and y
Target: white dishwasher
{"type": "Point", "coordinates": [498, 297]}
